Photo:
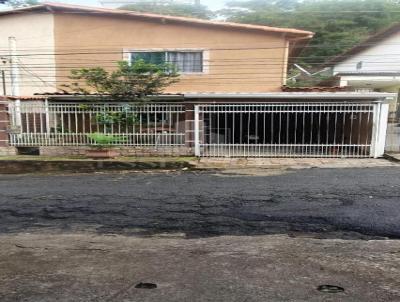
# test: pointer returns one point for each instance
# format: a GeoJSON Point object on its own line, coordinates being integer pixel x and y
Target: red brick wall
{"type": "Point", "coordinates": [189, 125]}
{"type": "Point", "coordinates": [3, 125]}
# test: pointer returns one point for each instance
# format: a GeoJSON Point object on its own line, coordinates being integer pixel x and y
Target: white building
{"type": "Point", "coordinates": [374, 65]}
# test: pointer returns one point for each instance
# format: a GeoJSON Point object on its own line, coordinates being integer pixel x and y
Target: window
{"type": "Point", "coordinates": [149, 57]}
{"type": "Point", "coordinates": [184, 61]}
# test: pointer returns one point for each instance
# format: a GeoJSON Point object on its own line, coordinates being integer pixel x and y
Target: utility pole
{"type": "Point", "coordinates": [15, 91]}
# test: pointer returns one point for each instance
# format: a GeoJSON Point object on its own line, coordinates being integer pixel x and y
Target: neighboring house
{"type": "Point", "coordinates": [374, 65]}
{"type": "Point", "coordinates": [211, 56]}
{"type": "Point", "coordinates": [230, 100]}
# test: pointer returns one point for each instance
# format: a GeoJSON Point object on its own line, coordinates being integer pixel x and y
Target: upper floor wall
{"type": "Point", "coordinates": [34, 35]}
{"type": "Point", "coordinates": [52, 39]}
{"type": "Point", "coordinates": [382, 57]}
{"type": "Point", "coordinates": [218, 60]}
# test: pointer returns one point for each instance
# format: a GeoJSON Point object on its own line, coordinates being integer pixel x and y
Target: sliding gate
{"type": "Point", "coordinates": [291, 130]}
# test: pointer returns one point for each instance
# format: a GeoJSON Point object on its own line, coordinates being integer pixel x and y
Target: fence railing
{"type": "Point", "coordinates": [71, 124]}
{"type": "Point", "coordinates": [287, 130]}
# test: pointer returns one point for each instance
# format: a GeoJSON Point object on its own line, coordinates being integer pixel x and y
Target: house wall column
{"type": "Point", "coordinates": [379, 131]}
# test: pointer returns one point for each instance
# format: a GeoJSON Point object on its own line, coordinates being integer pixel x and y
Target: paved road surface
{"type": "Point", "coordinates": [93, 238]}
{"type": "Point", "coordinates": [343, 203]}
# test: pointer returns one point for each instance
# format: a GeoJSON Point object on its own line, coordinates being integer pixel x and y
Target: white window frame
{"type": "Point", "coordinates": [127, 56]}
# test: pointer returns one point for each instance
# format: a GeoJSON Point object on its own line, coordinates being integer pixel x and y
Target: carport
{"type": "Point", "coordinates": [340, 124]}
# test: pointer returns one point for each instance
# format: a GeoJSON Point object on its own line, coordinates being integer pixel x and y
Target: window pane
{"type": "Point", "coordinates": [186, 61]}
{"type": "Point", "coordinates": [149, 57]}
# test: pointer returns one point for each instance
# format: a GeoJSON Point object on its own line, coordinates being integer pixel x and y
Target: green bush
{"type": "Point", "coordinates": [102, 141]}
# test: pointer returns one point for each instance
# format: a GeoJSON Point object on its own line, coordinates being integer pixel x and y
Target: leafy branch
{"type": "Point", "coordinates": [129, 82]}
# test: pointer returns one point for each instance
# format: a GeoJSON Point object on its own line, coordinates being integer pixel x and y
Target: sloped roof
{"type": "Point", "coordinates": [315, 89]}
{"type": "Point", "coordinates": [22, 98]}
{"type": "Point", "coordinates": [60, 7]}
{"type": "Point", "coordinates": [366, 44]}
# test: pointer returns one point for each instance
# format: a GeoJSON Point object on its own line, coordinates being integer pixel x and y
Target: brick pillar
{"type": "Point", "coordinates": [189, 126]}
{"type": "Point", "coordinates": [4, 122]}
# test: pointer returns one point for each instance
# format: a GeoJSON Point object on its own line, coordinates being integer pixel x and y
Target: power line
{"type": "Point", "coordinates": [258, 65]}
{"type": "Point", "coordinates": [168, 47]}
{"type": "Point", "coordinates": [216, 80]}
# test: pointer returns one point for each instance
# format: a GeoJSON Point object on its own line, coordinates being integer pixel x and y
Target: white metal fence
{"type": "Point", "coordinates": [70, 124]}
{"type": "Point", "coordinates": [223, 130]}
{"type": "Point", "coordinates": [290, 130]}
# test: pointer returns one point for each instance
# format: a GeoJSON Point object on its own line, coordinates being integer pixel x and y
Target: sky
{"type": "Point", "coordinates": [213, 4]}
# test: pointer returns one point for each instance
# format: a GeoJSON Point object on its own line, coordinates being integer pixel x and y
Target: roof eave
{"type": "Point", "coordinates": [295, 95]}
{"type": "Point", "coordinates": [23, 9]}
{"type": "Point", "coordinates": [53, 7]}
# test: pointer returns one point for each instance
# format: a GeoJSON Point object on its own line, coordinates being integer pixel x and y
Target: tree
{"type": "Point", "coordinates": [338, 24]}
{"type": "Point", "coordinates": [20, 3]}
{"type": "Point", "coordinates": [133, 82]}
{"type": "Point", "coordinates": [173, 9]}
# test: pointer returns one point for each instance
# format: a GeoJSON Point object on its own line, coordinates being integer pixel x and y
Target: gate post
{"type": "Point", "coordinates": [4, 140]}
{"type": "Point", "coordinates": [381, 114]}
{"type": "Point", "coordinates": [5, 148]}
{"type": "Point", "coordinates": [196, 130]}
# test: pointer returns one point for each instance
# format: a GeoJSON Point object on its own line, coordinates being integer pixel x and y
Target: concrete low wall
{"type": "Point", "coordinates": [86, 166]}
{"type": "Point", "coordinates": [393, 138]}
{"type": "Point", "coordinates": [8, 151]}
{"type": "Point", "coordinates": [124, 151]}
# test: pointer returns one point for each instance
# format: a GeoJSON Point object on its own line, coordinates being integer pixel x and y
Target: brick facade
{"type": "Point", "coordinates": [189, 125]}
{"type": "Point", "coordinates": [3, 125]}
{"type": "Point", "coordinates": [123, 151]}
{"type": "Point", "coordinates": [5, 148]}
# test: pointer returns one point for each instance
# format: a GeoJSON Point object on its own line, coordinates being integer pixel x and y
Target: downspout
{"type": "Point", "coordinates": [15, 79]}
{"type": "Point", "coordinates": [285, 60]}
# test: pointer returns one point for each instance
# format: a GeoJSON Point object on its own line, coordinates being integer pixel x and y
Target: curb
{"type": "Point", "coordinates": [71, 166]}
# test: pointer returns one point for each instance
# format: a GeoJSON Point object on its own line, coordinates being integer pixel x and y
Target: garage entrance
{"type": "Point", "coordinates": [290, 130]}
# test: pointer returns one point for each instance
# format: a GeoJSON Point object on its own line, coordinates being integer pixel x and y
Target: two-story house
{"type": "Point", "coordinates": [51, 39]}
{"type": "Point", "coordinates": [228, 101]}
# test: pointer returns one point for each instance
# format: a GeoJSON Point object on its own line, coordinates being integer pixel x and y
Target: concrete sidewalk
{"type": "Point", "coordinates": [47, 164]}
{"type": "Point", "coordinates": [89, 267]}
{"type": "Point", "coordinates": [293, 163]}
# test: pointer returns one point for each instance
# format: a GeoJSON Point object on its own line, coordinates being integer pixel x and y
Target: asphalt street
{"type": "Point", "coordinates": [326, 203]}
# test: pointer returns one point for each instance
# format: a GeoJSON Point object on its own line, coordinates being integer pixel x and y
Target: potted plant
{"type": "Point", "coordinates": [103, 145]}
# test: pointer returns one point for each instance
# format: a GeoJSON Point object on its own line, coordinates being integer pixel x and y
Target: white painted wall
{"type": "Point", "coordinates": [34, 34]}
{"type": "Point", "coordinates": [383, 57]}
